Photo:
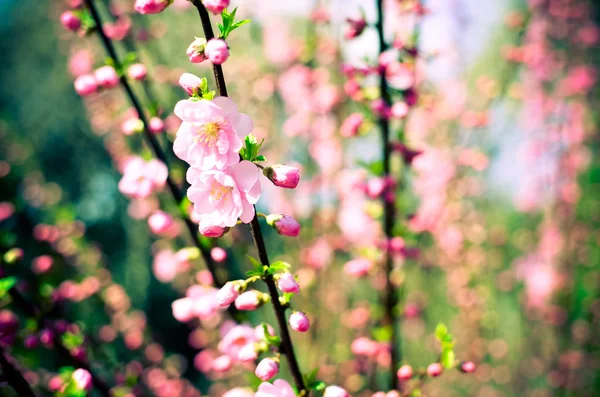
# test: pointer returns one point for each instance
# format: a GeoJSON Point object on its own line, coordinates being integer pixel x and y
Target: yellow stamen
{"type": "Point", "coordinates": [217, 191]}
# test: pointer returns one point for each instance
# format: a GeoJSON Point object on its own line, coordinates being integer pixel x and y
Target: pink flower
{"type": "Point", "coordinates": [212, 231]}
{"type": "Point", "coordinates": [399, 76]}
{"type": "Point", "coordinates": [162, 224]}
{"type": "Point", "coordinates": [195, 50]}
{"type": "Point", "coordinates": [335, 391]}
{"type": "Point", "coordinates": [299, 322]}
{"type": "Point", "coordinates": [137, 71]}
{"type": "Point", "coordinates": [70, 21]}
{"type": "Point", "coordinates": [106, 76]}
{"type": "Point", "coordinates": [287, 283]}
{"type": "Point", "coordinates": [156, 125]}
{"type": "Point", "coordinates": [248, 353]}
{"type": "Point", "coordinates": [283, 175]}
{"type": "Point", "coordinates": [221, 197]}
{"type": "Point", "coordinates": [211, 133]}
{"type": "Point", "coordinates": [434, 370]}
{"type": "Point", "coordinates": [284, 224]}
{"type": "Point", "coordinates": [190, 83]}
{"type": "Point", "coordinates": [86, 84]}
{"type": "Point", "coordinates": [227, 294]}
{"type": "Point", "coordinates": [183, 309]}
{"type": "Point", "coordinates": [266, 369]}
{"type": "Point", "coordinates": [351, 126]}
{"type": "Point", "coordinates": [82, 379]}
{"type": "Point", "coordinates": [151, 6]}
{"type": "Point", "coordinates": [365, 347]}
{"type": "Point", "coordinates": [216, 6]}
{"type": "Point", "coordinates": [234, 340]}
{"type": "Point", "coordinates": [250, 300]}
{"type": "Point", "coordinates": [42, 264]}
{"type": "Point", "coordinates": [358, 267]}
{"type": "Point", "coordinates": [355, 27]}
{"type": "Point", "coordinates": [165, 266]}
{"type": "Point", "coordinates": [216, 51]}
{"type": "Point", "coordinates": [222, 364]}
{"type": "Point", "coordinates": [218, 254]}
{"type": "Point", "coordinates": [404, 373]}
{"type": "Point", "coordinates": [141, 178]}
{"type": "Point", "coordinates": [399, 110]}
{"type": "Point", "coordinates": [279, 388]}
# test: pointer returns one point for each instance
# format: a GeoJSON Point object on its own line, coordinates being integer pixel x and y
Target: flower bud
{"type": "Point", "coordinates": [299, 322]}
{"type": "Point", "coordinates": [434, 370]}
{"type": "Point", "coordinates": [354, 28]}
{"type": "Point", "coordinates": [195, 51]}
{"type": "Point", "coordinates": [335, 391]}
{"type": "Point", "coordinates": [364, 346]}
{"type": "Point", "coordinates": [283, 175]}
{"type": "Point", "coordinates": [161, 223]}
{"type": "Point", "coordinates": [247, 353]}
{"type": "Point", "coordinates": [358, 267]}
{"type": "Point", "coordinates": [212, 231]}
{"type": "Point", "coordinates": [137, 71]}
{"type": "Point", "coordinates": [228, 293]}
{"type": "Point", "coordinates": [250, 300]}
{"type": "Point", "coordinates": [222, 364]}
{"type": "Point", "coordinates": [284, 224]}
{"type": "Point", "coordinates": [351, 126]}
{"type": "Point", "coordinates": [156, 125]}
{"type": "Point", "coordinates": [266, 369]}
{"type": "Point", "coordinates": [218, 254]}
{"type": "Point", "coordinates": [132, 126]}
{"type": "Point", "coordinates": [106, 76]}
{"type": "Point", "coordinates": [151, 6]}
{"type": "Point", "coordinates": [86, 84]}
{"type": "Point", "coordinates": [216, 6]}
{"type": "Point", "coordinates": [70, 21]}
{"type": "Point", "coordinates": [404, 373]}
{"type": "Point", "coordinates": [399, 110]}
{"type": "Point", "coordinates": [467, 367]}
{"type": "Point", "coordinates": [190, 83]}
{"type": "Point", "coordinates": [287, 283]}
{"type": "Point", "coordinates": [82, 379]}
{"type": "Point", "coordinates": [216, 51]}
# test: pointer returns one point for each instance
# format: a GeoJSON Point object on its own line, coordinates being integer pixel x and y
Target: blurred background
{"type": "Point", "coordinates": [499, 214]}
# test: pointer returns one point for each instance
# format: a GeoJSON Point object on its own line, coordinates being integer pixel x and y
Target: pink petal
{"type": "Point", "coordinates": [228, 107]}
{"type": "Point", "coordinates": [245, 174]}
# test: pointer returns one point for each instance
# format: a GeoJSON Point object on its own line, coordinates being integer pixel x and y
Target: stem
{"type": "Point", "coordinates": [14, 377]}
{"type": "Point", "coordinates": [390, 294]}
{"type": "Point", "coordinates": [153, 142]}
{"type": "Point", "coordinates": [287, 346]}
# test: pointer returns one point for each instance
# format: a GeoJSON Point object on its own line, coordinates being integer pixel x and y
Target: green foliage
{"type": "Point", "coordinates": [6, 284]}
{"type": "Point", "coordinates": [251, 149]}
{"type": "Point", "coordinates": [228, 24]}
{"type": "Point", "coordinates": [272, 340]}
{"type": "Point", "coordinates": [375, 167]}
{"type": "Point", "coordinates": [71, 340]}
{"type": "Point", "coordinates": [446, 339]}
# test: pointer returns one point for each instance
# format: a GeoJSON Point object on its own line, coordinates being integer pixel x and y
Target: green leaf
{"type": "Point", "coordinates": [375, 168]}
{"type": "Point", "coordinates": [382, 334]}
{"type": "Point", "coordinates": [448, 358]}
{"type": "Point", "coordinates": [260, 157]}
{"type": "Point", "coordinates": [71, 340]}
{"type": "Point", "coordinates": [441, 331]}
{"type": "Point", "coordinates": [6, 284]}
{"type": "Point", "coordinates": [318, 385]}
{"type": "Point", "coordinates": [278, 266]}
{"type": "Point", "coordinates": [240, 23]}
{"type": "Point", "coordinates": [271, 339]}
{"type": "Point", "coordinates": [311, 377]}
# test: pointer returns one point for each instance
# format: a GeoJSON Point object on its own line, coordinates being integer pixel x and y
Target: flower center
{"type": "Point", "coordinates": [208, 133]}
{"type": "Point", "coordinates": [217, 191]}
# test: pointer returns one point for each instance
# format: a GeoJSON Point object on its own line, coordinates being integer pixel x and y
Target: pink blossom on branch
{"type": "Point", "coordinates": [140, 178]}
{"type": "Point", "coordinates": [211, 133]}
{"type": "Point", "coordinates": [151, 6]}
{"type": "Point", "coordinates": [216, 51]}
{"type": "Point", "coordinates": [279, 388]}
{"type": "Point", "coordinates": [195, 50]}
{"type": "Point", "coordinates": [216, 6]}
{"type": "Point", "coordinates": [283, 175]}
{"type": "Point", "coordinates": [221, 197]}
{"type": "Point", "coordinates": [284, 224]}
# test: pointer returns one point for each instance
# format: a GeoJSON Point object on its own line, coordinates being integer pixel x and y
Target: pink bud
{"type": "Point", "coordinates": [354, 28]}
{"type": "Point", "coordinates": [227, 294]}
{"type": "Point", "coordinates": [183, 309]}
{"type": "Point", "coordinates": [55, 383]}
{"type": "Point", "coordinates": [404, 373]}
{"type": "Point", "coordinates": [190, 83]}
{"type": "Point", "coordinates": [434, 370]}
{"type": "Point", "coordinates": [249, 300]}
{"type": "Point", "coordinates": [132, 126]}
{"type": "Point", "coordinates": [467, 367]}
{"type": "Point", "coordinates": [86, 85]}
{"type": "Point", "coordinates": [216, 51]}
{"type": "Point", "coordinates": [299, 322]}
{"type": "Point", "coordinates": [399, 110]}
{"type": "Point", "coordinates": [284, 224]}
{"type": "Point", "coordinates": [216, 6]}
{"type": "Point", "coordinates": [161, 223]}
{"type": "Point", "coordinates": [365, 347]}
{"type": "Point", "coordinates": [247, 353]}
{"type": "Point", "coordinates": [82, 379]}
{"type": "Point", "coordinates": [195, 51]}
{"type": "Point", "coordinates": [106, 76]}
{"type": "Point", "coordinates": [222, 364]}
{"type": "Point", "coordinates": [70, 21]}
{"type": "Point", "coordinates": [335, 391]}
{"type": "Point", "coordinates": [151, 6]}
{"type": "Point", "coordinates": [351, 126]}
{"type": "Point", "coordinates": [287, 283]}
{"type": "Point", "coordinates": [266, 369]}
{"type": "Point", "coordinates": [156, 125]}
{"type": "Point", "coordinates": [283, 175]}
{"type": "Point", "coordinates": [137, 71]}
{"type": "Point", "coordinates": [358, 267]}
{"type": "Point", "coordinates": [212, 231]}
{"type": "Point", "coordinates": [218, 254]}
{"type": "Point", "coordinates": [42, 264]}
